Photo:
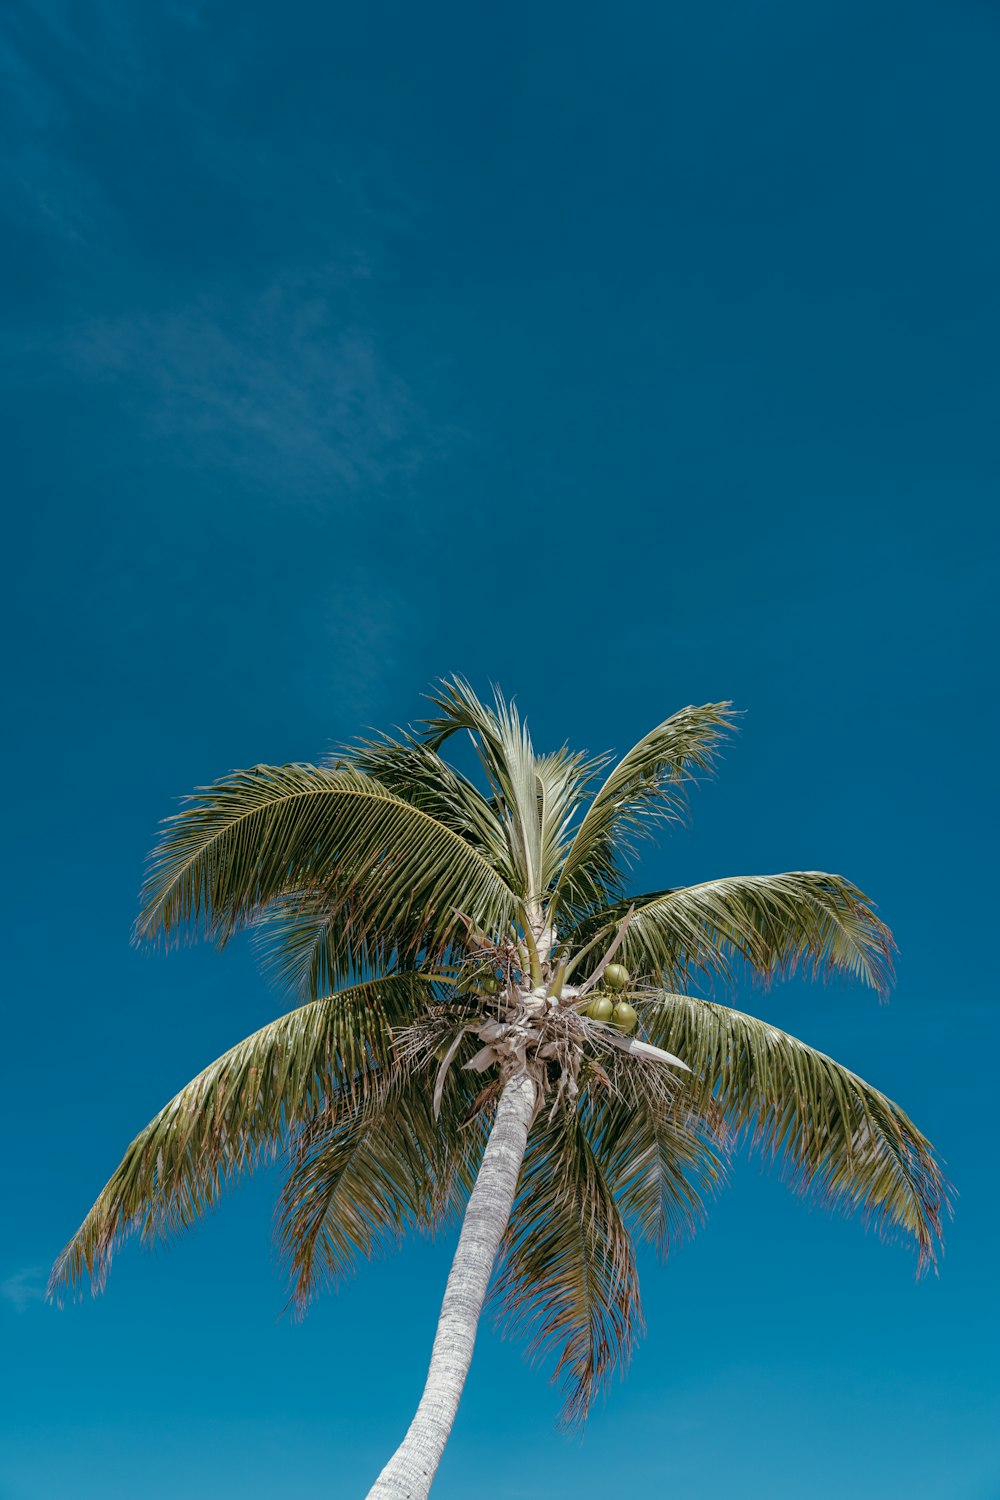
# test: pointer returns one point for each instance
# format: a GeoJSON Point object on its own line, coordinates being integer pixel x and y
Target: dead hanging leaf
{"type": "Point", "coordinates": [442, 1074]}
{"type": "Point", "coordinates": [482, 1060]}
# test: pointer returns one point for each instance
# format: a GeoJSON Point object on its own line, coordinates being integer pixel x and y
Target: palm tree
{"type": "Point", "coordinates": [476, 971]}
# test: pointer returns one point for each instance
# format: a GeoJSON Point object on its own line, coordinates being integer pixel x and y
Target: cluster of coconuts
{"type": "Point", "coordinates": [616, 1013]}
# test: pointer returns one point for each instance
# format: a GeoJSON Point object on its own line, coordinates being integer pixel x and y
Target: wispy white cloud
{"type": "Point", "coordinates": [23, 1288]}
{"type": "Point", "coordinates": [280, 385]}
{"type": "Point", "coordinates": [275, 364]}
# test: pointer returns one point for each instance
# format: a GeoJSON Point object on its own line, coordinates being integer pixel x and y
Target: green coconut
{"type": "Point", "coordinates": [600, 1008]}
{"type": "Point", "coordinates": [624, 1018]}
{"type": "Point", "coordinates": [616, 977]}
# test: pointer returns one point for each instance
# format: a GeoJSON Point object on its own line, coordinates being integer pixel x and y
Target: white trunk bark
{"type": "Point", "coordinates": [410, 1472]}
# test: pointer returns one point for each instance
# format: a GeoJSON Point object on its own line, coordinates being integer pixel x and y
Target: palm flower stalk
{"type": "Point", "coordinates": [472, 971]}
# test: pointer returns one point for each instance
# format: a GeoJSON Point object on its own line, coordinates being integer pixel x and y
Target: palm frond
{"type": "Point", "coordinates": [512, 769]}
{"type": "Point", "coordinates": [237, 1111]}
{"type": "Point", "coordinates": [648, 785]}
{"type": "Point", "coordinates": [308, 942]}
{"type": "Point", "coordinates": [662, 1154]}
{"type": "Point", "coordinates": [357, 1184]}
{"type": "Point", "coordinates": [567, 1281]}
{"type": "Point", "coordinates": [560, 779]}
{"type": "Point", "coordinates": [775, 923]}
{"type": "Point", "coordinates": [393, 874]}
{"type": "Point", "coordinates": [413, 770]}
{"type": "Point", "coordinates": [835, 1136]}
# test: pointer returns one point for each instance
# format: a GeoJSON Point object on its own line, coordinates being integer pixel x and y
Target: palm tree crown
{"type": "Point", "coordinates": [451, 939]}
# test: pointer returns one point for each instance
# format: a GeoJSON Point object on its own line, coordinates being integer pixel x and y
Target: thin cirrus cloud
{"type": "Point", "coordinates": [284, 389]}
{"type": "Point", "coordinates": [246, 359]}
{"type": "Point", "coordinates": [23, 1289]}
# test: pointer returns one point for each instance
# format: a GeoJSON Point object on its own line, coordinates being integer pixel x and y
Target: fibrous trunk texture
{"type": "Point", "coordinates": [410, 1472]}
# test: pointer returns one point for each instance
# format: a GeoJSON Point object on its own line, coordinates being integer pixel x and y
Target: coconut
{"type": "Point", "coordinates": [624, 1018]}
{"type": "Point", "coordinates": [600, 1008]}
{"type": "Point", "coordinates": [616, 977]}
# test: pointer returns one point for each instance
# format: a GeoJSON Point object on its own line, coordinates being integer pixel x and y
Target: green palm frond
{"type": "Point", "coordinates": [534, 795]}
{"type": "Point", "coordinates": [238, 1111]}
{"type": "Point", "coordinates": [411, 769]}
{"type": "Point", "coordinates": [775, 923]}
{"type": "Point", "coordinates": [647, 785]}
{"type": "Point", "coordinates": [357, 1184]}
{"type": "Point", "coordinates": [393, 874]}
{"type": "Point", "coordinates": [567, 1281]}
{"type": "Point", "coordinates": [560, 780]}
{"type": "Point", "coordinates": [505, 751]}
{"type": "Point", "coordinates": [305, 943]}
{"type": "Point", "coordinates": [835, 1136]}
{"type": "Point", "coordinates": [662, 1153]}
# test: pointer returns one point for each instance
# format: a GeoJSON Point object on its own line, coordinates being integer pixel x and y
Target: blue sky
{"type": "Point", "coordinates": [629, 357]}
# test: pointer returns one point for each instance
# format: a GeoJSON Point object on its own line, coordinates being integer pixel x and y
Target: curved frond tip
{"type": "Point", "coordinates": [568, 1281]}
{"type": "Point", "coordinates": [804, 920]}
{"type": "Point", "coordinates": [391, 872]}
{"type": "Point", "coordinates": [832, 1135]}
{"type": "Point", "coordinates": [236, 1112]}
{"type": "Point", "coordinates": [648, 786]}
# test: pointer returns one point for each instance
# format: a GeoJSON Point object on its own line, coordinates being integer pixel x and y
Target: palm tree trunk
{"type": "Point", "coordinates": [410, 1472]}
